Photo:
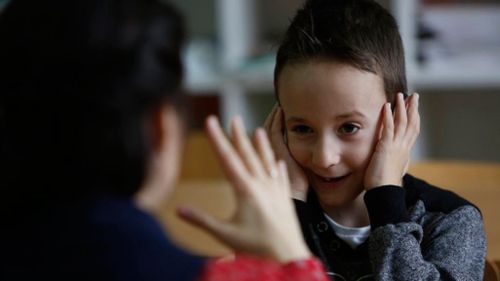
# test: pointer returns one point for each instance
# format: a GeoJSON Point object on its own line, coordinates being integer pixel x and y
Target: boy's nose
{"type": "Point", "coordinates": [326, 153]}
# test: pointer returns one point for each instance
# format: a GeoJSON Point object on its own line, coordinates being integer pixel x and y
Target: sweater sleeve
{"type": "Point", "coordinates": [450, 246]}
{"type": "Point", "coordinates": [245, 268]}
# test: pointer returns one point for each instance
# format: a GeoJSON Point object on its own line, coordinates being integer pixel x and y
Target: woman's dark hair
{"type": "Point", "coordinates": [360, 33]}
{"type": "Point", "coordinates": [77, 80]}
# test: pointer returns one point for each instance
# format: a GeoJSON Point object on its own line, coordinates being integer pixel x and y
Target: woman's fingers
{"type": "Point", "coordinates": [264, 216]}
{"type": "Point", "coordinates": [265, 151]}
{"type": "Point", "coordinates": [245, 147]}
{"type": "Point", "coordinates": [239, 158]}
{"type": "Point", "coordinates": [233, 166]}
{"type": "Point", "coordinates": [283, 174]}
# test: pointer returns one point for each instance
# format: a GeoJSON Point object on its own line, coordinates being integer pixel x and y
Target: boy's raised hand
{"type": "Point", "coordinates": [391, 156]}
{"type": "Point", "coordinates": [265, 222]}
{"type": "Point", "coordinates": [274, 126]}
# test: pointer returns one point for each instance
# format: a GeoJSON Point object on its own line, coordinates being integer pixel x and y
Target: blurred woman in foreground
{"type": "Point", "coordinates": [91, 126]}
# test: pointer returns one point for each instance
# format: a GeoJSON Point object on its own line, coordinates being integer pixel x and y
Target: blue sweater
{"type": "Point", "coordinates": [99, 239]}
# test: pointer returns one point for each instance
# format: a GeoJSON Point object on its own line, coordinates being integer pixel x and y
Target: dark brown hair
{"type": "Point", "coordinates": [360, 33]}
{"type": "Point", "coordinates": [77, 79]}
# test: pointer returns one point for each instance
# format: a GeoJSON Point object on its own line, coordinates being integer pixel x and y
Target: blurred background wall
{"type": "Point", "coordinates": [453, 61]}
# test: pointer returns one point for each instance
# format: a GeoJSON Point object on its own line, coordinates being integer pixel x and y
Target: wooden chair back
{"type": "Point", "coordinates": [491, 270]}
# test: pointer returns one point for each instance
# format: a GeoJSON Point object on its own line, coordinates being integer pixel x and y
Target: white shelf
{"type": "Point", "coordinates": [256, 75]}
{"type": "Point", "coordinates": [473, 69]}
{"type": "Point", "coordinates": [201, 86]}
{"type": "Point", "coordinates": [235, 78]}
{"type": "Point", "coordinates": [252, 75]}
{"type": "Point", "coordinates": [252, 81]}
{"type": "Point", "coordinates": [228, 72]}
{"type": "Point", "coordinates": [456, 78]}
{"type": "Point", "coordinates": [465, 52]}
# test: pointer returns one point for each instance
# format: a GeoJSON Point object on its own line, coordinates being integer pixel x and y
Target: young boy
{"type": "Point", "coordinates": [339, 69]}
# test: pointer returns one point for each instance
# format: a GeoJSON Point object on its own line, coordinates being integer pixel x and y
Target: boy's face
{"type": "Point", "coordinates": [332, 113]}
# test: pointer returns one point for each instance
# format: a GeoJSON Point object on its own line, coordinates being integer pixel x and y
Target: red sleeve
{"type": "Point", "coordinates": [246, 268]}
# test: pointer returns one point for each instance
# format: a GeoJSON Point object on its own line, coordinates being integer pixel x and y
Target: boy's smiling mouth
{"type": "Point", "coordinates": [329, 182]}
{"type": "Point", "coordinates": [334, 179]}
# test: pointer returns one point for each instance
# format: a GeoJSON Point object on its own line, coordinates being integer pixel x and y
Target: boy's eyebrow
{"type": "Point", "coordinates": [350, 114]}
{"type": "Point", "coordinates": [346, 115]}
{"type": "Point", "coordinates": [294, 119]}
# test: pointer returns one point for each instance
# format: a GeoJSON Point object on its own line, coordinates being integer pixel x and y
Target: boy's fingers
{"type": "Point", "coordinates": [269, 120]}
{"type": "Point", "coordinates": [276, 134]}
{"type": "Point", "coordinates": [413, 118]}
{"type": "Point", "coordinates": [400, 117]}
{"type": "Point", "coordinates": [388, 124]}
{"type": "Point", "coordinates": [231, 163]}
{"type": "Point", "coordinates": [245, 147]}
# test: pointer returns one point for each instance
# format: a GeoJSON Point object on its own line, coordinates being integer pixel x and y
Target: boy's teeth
{"type": "Point", "coordinates": [332, 179]}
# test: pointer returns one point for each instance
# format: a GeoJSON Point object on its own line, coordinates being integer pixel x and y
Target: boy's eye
{"type": "Point", "coordinates": [348, 129]}
{"type": "Point", "coordinates": [302, 129]}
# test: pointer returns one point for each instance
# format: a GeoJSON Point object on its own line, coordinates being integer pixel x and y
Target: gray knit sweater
{"type": "Point", "coordinates": [419, 232]}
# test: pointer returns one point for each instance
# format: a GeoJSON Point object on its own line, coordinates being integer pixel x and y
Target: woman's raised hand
{"type": "Point", "coordinates": [391, 157]}
{"type": "Point", "coordinates": [264, 222]}
{"type": "Point", "coordinates": [274, 126]}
